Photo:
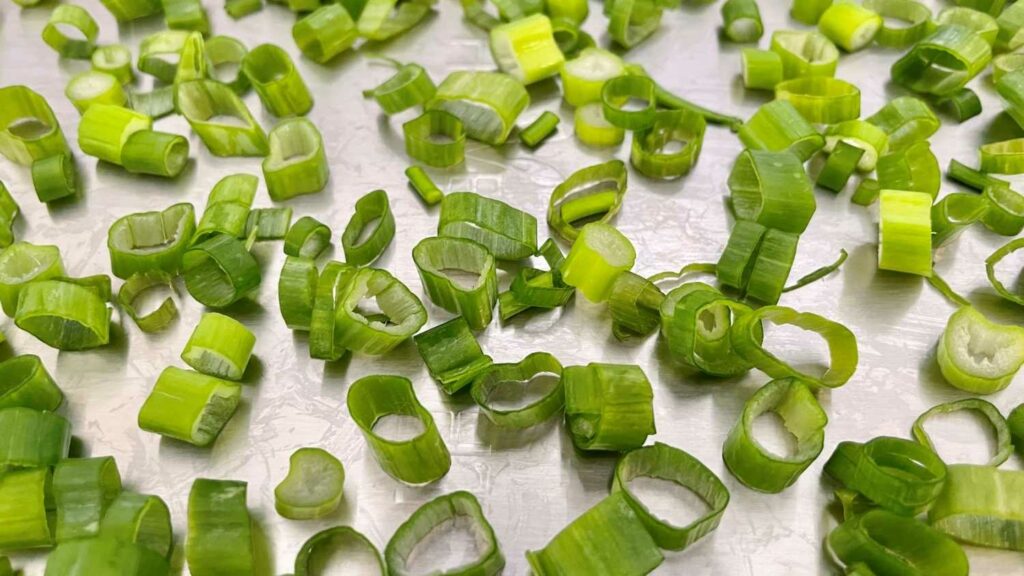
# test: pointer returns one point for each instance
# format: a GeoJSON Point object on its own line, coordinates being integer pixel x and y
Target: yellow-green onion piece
{"type": "Point", "coordinates": [187, 15]}
{"type": "Point", "coordinates": [22, 263]}
{"type": "Point", "coordinates": [137, 285]}
{"type": "Point", "coordinates": [487, 103]}
{"type": "Point", "coordinates": [532, 288]}
{"type": "Point", "coordinates": [325, 33]}
{"type": "Point", "coordinates": [981, 22]}
{"type": "Point", "coordinates": [964, 104]}
{"type": "Point", "coordinates": [1003, 64]}
{"type": "Point", "coordinates": [943, 62]}
{"type": "Point", "coordinates": [33, 439]}
{"type": "Point", "coordinates": [458, 508]}
{"type": "Point", "coordinates": [28, 128]}
{"type": "Point", "coordinates": [821, 99]}
{"type": "Point", "coordinates": [575, 11]}
{"type": "Point", "coordinates": [906, 120]}
{"type": "Point", "coordinates": [240, 8]}
{"type": "Point", "coordinates": [452, 354]}
{"type": "Point", "coordinates": [63, 315]}
{"type": "Point", "coordinates": [25, 382]}
{"type": "Point", "coordinates": [104, 555]}
{"type": "Point", "coordinates": [873, 140]}
{"type": "Point", "coordinates": [383, 19]}
{"type": "Point", "coordinates": [583, 77]}
{"type": "Point", "coordinates": [320, 546]}
{"type": "Point", "coordinates": [880, 542]}
{"type": "Point", "coordinates": [606, 540]}
{"type": "Point", "coordinates": [139, 519]}
{"type": "Point", "coordinates": [300, 5]}
{"type": "Point", "coordinates": [423, 185]}
{"type": "Point", "coordinates": [268, 223]}
{"type": "Point", "coordinates": [866, 193]}
{"type": "Point", "coordinates": [953, 213]}
{"type": "Point", "coordinates": [159, 54]}
{"type": "Point", "coordinates": [981, 505]}
{"type": "Point", "coordinates": [436, 258]}
{"type": "Point", "coordinates": [5, 566]}
{"type": "Point", "coordinates": [509, 233]}
{"type": "Point", "coordinates": [155, 153]}
{"type": "Point", "coordinates": [1011, 91]}
{"type": "Point", "coordinates": [570, 38]}
{"type": "Point", "coordinates": [588, 193]}
{"type": "Point", "coordinates": [850, 26]}
{"type": "Point", "coordinates": [990, 7]}
{"type": "Point", "coordinates": [494, 388]}
{"type": "Point", "coordinates": [741, 20]}
{"type": "Point", "coordinates": [695, 322]}
{"type": "Point", "coordinates": [220, 271]}
{"type": "Point", "coordinates": [421, 459]}
{"type": "Point", "coordinates": [93, 87]}
{"type": "Point", "coordinates": [227, 207]}
{"type": "Point", "coordinates": [539, 130]}
{"type": "Point", "coordinates": [508, 11]}
{"type": "Point", "coordinates": [1011, 28]}
{"type": "Point", "coordinates": [8, 214]}
{"type": "Point", "coordinates": [634, 302]}
{"type": "Point", "coordinates": [24, 497]}
{"type": "Point", "coordinates": [296, 164]}
{"type": "Point", "coordinates": [156, 103]}
{"type": "Point", "coordinates": [1004, 212]}
{"type": "Point", "coordinates": [841, 164]}
{"type": "Point", "coordinates": [526, 50]}
{"type": "Point", "coordinates": [618, 92]}
{"type": "Point", "coordinates": [630, 22]}
{"type": "Point", "coordinates": [599, 254]}
{"type": "Point", "coordinates": [761, 69]}
{"type": "Point", "coordinates": [410, 86]}
{"type": "Point", "coordinates": [227, 53]}
{"type": "Point", "coordinates": [277, 82]}
{"type": "Point", "coordinates": [189, 406]}
{"type": "Point", "coordinates": [220, 530]}
{"type": "Point", "coordinates": [777, 127]}
{"type": "Point", "coordinates": [313, 486]}
{"type": "Point", "coordinates": [1006, 157]}
{"type": "Point", "coordinates": [608, 406]}
{"type": "Point", "coordinates": [915, 21]}
{"type": "Point", "coordinates": [805, 53]}
{"type": "Point", "coordinates": [296, 291]}
{"type": "Point", "coordinates": [79, 45]}
{"type": "Point", "coordinates": [808, 11]}
{"type": "Point", "coordinates": [977, 355]}
{"type": "Point", "coordinates": [330, 286]}
{"type": "Point", "coordinates": [403, 313]}
{"type": "Point", "coordinates": [104, 130]}
{"type": "Point", "coordinates": [54, 178]}
{"type": "Point", "coordinates": [649, 152]}
{"type": "Point", "coordinates": [904, 232]}
{"type": "Point", "coordinates": [772, 189]}
{"type": "Point", "coordinates": [592, 129]}
{"type": "Point", "coordinates": [307, 238]}
{"type": "Point", "coordinates": [219, 346]}
{"type": "Point", "coordinates": [1004, 447]}
{"type": "Point", "coordinates": [127, 10]}
{"type": "Point", "coordinates": [150, 241]}
{"type": "Point", "coordinates": [913, 168]}
{"type": "Point", "coordinates": [193, 64]}
{"type": "Point", "coordinates": [83, 488]}
{"type": "Point", "coordinates": [435, 138]}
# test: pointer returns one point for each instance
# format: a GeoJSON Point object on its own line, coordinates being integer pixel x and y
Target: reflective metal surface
{"type": "Point", "coordinates": [532, 486]}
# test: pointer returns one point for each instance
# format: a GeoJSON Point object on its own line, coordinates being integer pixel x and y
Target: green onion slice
{"type": "Point", "coordinates": [423, 185]}
{"type": "Point", "coordinates": [83, 488]}
{"type": "Point", "coordinates": [525, 49]}
{"type": "Point", "coordinates": [63, 315]}
{"type": "Point", "coordinates": [539, 130]}
{"type": "Point", "coordinates": [608, 406]}
{"type": "Point", "coordinates": [28, 128]}
{"type": "Point", "coordinates": [32, 439]}
{"type": "Point", "coordinates": [418, 460]}
{"type": "Point", "coordinates": [590, 192]}
{"type": "Point", "coordinates": [913, 168]}
{"type": "Point", "coordinates": [104, 130]}
{"type": "Point", "coordinates": [313, 486]}
{"type": "Point", "coordinates": [650, 154]}
{"type": "Point", "coordinates": [156, 103]}
{"type": "Point", "coordinates": [220, 271]}
{"type": "Point", "coordinates": [821, 99]}
{"type": "Point", "coordinates": [634, 303]}
{"type": "Point", "coordinates": [331, 284]}
{"type": "Point", "coordinates": [532, 288]}
{"type": "Point", "coordinates": [1004, 64]}
{"type": "Point", "coordinates": [851, 26]}
{"type": "Point", "coordinates": [159, 54]}
{"type": "Point", "coordinates": [324, 33]}
{"type": "Point", "coordinates": [978, 355]}
{"type": "Point", "coordinates": [54, 178]}
{"type": "Point", "coordinates": [617, 92]}
{"type": "Point", "coordinates": [915, 22]}
{"type": "Point", "coordinates": [227, 208]}
{"type": "Point", "coordinates": [841, 164]}
{"type": "Point", "coordinates": [372, 209]}
{"type": "Point", "coordinates": [873, 140]}
{"type": "Point", "coordinates": [220, 346]}
{"type": "Point", "coordinates": [487, 103]}
{"type": "Point", "coordinates": [127, 10]}
{"type": "Point", "coordinates": [150, 241]}
{"type": "Point", "coordinates": [220, 532]}
{"type": "Point", "coordinates": [227, 53]}
{"type": "Point", "coordinates": [1006, 157]}
{"type": "Point", "coordinates": [220, 118]}
{"type": "Point", "coordinates": [140, 283]}
{"type": "Point", "coordinates": [104, 555]}
{"type": "Point", "coordinates": [410, 86]}
{"type": "Point", "coordinates": [384, 19]}
{"type": "Point", "coordinates": [695, 321]}
{"type": "Point", "coordinates": [307, 238]}
{"type": "Point", "coordinates": [880, 542]}
{"type": "Point", "coordinates": [452, 354]}
{"type": "Point", "coordinates": [808, 11]}
{"type": "Point", "coordinates": [1004, 447]}
{"type": "Point", "coordinates": [193, 64]}
{"type": "Point", "coordinates": [338, 537]}
{"type": "Point", "coordinates": [741, 20]}
{"type": "Point", "coordinates": [240, 8]}
{"type": "Point", "coordinates": [866, 193]}
{"type": "Point", "coordinates": [757, 467]}
{"type": "Point", "coordinates": [584, 77]}
{"type": "Point", "coordinates": [1004, 212]}
{"type": "Point", "coordinates": [509, 233]}
{"type": "Point", "coordinates": [777, 127]}
{"type": "Point", "coordinates": [189, 406]}
{"type": "Point", "coordinates": [9, 210]}
{"type": "Point", "coordinates": [905, 232]}
{"type": "Point", "coordinates": [474, 298]}
{"type": "Point", "coordinates": [186, 15]}
{"type": "Point", "coordinates": [27, 383]}
{"type": "Point", "coordinates": [805, 53]}
{"type": "Point", "coordinates": [980, 22]}
{"type": "Point", "coordinates": [1011, 28]}
{"type": "Point", "coordinates": [296, 164]}
{"type": "Point", "coordinates": [403, 313]}
{"type": "Point", "coordinates": [92, 87]}
{"type": "Point", "coordinates": [630, 22]}
{"type": "Point", "coordinates": [944, 62]}
{"type": "Point", "coordinates": [906, 120]}
{"type": "Point", "coordinates": [990, 268]}
{"type": "Point", "coordinates": [762, 69]}
{"type": "Point", "coordinates": [1016, 423]}
{"type": "Point", "coordinates": [981, 505]}
{"type": "Point", "coordinates": [593, 130]}
{"type": "Point", "coordinates": [772, 189]}
{"type": "Point", "coordinates": [155, 153]}
{"type": "Point", "coordinates": [80, 45]}
{"type": "Point", "coordinates": [22, 263]}
{"type": "Point", "coordinates": [597, 257]}
{"type": "Point", "coordinates": [953, 213]}
{"type": "Point", "coordinates": [964, 103]}
{"type": "Point", "coordinates": [435, 138]}
{"type": "Point", "coordinates": [493, 388]}
{"type": "Point", "coordinates": [140, 519]}
{"type": "Point", "coordinates": [268, 223]}
{"type": "Point", "coordinates": [24, 497]}
{"type": "Point", "coordinates": [296, 291]}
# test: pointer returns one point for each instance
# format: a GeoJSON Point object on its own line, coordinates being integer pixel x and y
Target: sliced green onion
{"type": "Point", "coordinates": [772, 189]}
{"type": "Point", "coordinates": [1011, 28]}
{"type": "Point", "coordinates": [22, 263]}
{"type": "Point", "coordinates": [383, 19]}
{"type": "Point", "coordinates": [63, 315]}
{"type": "Point", "coordinates": [193, 64]}
{"type": "Point", "coordinates": [219, 346]}
{"type": "Point", "coordinates": [339, 537]}
{"type": "Point", "coordinates": [819, 273]}
{"type": "Point", "coordinates": [296, 291]}
{"type": "Point", "coordinates": [864, 135]}
{"type": "Point", "coordinates": [296, 164]}
{"type": "Point", "coordinates": [220, 271]}
{"type": "Point", "coordinates": [915, 21]}
{"type": "Point", "coordinates": [964, 104]}
{"type": "Point", "coordinates": [695, 321]}
{"type": "Point", "coordinates": [866, 193]}
{"type": "Point", "coordinates": [596, 259]}
{"type": "Point", "coordinates": [313, 487]}
{"type": "Point", "coordinates": [140, 283]}
{"type": "Point", "coordinates": [978, 355]}
{"type": "Point", "coordinates": [991, 7]}
{"type": "Point", "coordinates": [593, 129]}
{"type": "Point", "coordinates": [55, 177]}
{"type": "Point", "coordinates": [805, 53]}
{"type": "Point", "coordinates": [83, 488]}
{"type": "Point", "coordinates": [899, 475]}
{"type": "Point", "coordinates": [526, 50]}
{"type": "Point", "coordinates": [980, 22]}
{"type": "Point", "coordinates": [186, 15]}
{"type": "Point", "coordinates": [1006, 157]}
{"type": "Point", "coordinates": [1004, 213]}
{"type": "Point", "coordinates": [155, 153]}
{"type": "Point", "coordinates": [159, 54]}
{"type": "Point", "coordinates": [156, 103]}
{"type": "Point", "coordinates": [33, 439]}
{"type": "Point", "coordinates": [27, 383]}
{"type": "Point", "coordinates": [221, 120]}
{"type": "Point", "coordinates": [493, 384]}
{"type": "Point", "coordinates": [532, 288]}
{"type": "Point", "coordinates": [104, 130]}
{"type": "Point", "coordinates": [410, 86]}
{"type": "Point", "coordinates": [539, 130]}
{"type": "Point", "coordinates": [150, 241]}
{"type": "Point", "coordinates": [1015, 421]}
{"type": "Point", "coordinates": [1003, 64]}
{"type": "Point", "coordinates": [8, 214]}
{"type": "Point", "coordinates": [944, 62]}
{"type": "Point", "coordinates": [913, 168]}
{"type": "Point", "coordinates": [1002, 431]}
{"type": "Point", "coordinates": [508, 233]}
{"type": "Point", "coordinates": [487, 103]}
{"type": "Point", "coordinates": [24, 496]}
{"type": "Point", "coordinates": [905, 232]}
{"type": "Point", "coordinates": [452, 354]}
{"type": "Point", "coordinates": [28, 128]}
{"type": "Point", "coordinates": [606, 540]}
{"type": "Point", "coordinates": [104, 555]}
{"type": "Point", "coordinates": [608, 406]}
{"type": "Point", "coordinates": [821, 99]}
{"type": "Point", "coordinates": [618, 92]}
{"type": "Point", "coordinates": [93, 87]}
{"type": "Point", "coordinates": [435, 138]}
{"type": "Point", "coordinates": [762, 69]}
{"type": "Point", "coordinates": [585, 194]}
{"type": "Point", "coordinates": [841, 164]}
{"type": "Point", "coordinates": [307, 238]}
{"type": "Point", "coordinates": [127, 10]}
{"type": "Point", "coordinates": [742, 20]}
{"type": "Point", "coordinates": [906, 120]}
{"type": "Point", "coordinates": [189, 406]}
{"type": "Point", "coordinates": [770, 269]}
{"type": "Point", "coordinates": [649, 151]}
{"type": "Point", "coordinates": [326, 32]}
{"type": "Point", "coordinates": [139, 519]}
{"type": "Point", "coordinates": [74, 46]}
{"type": "Point", "coordinates": [583, 77]}
{"type": "Point", "coordinates": [403, 313]}
{"type": "Point", "coordinates": [436, 257]}
{"type": "Point", "coordinates": [418, 460]}
{"type": "Point", "coordinates": [268, 223]}
{"type": "Point", "coordinates": [423, 185]}
{"type": "Point", "coordinates": [373, 208]}
{"type": "Point", "coordinates": [630, 22]}
{"type": "Point", "coordinates": [981, 505]}
{"type": "Point", "coordinates": [808, 11]}
{"type": "Point", "coordinates": [457, 508]}
{"type": "Point", "coordinates": [330, 286]}
{"type": "Point", "coordinates": [227, 53]}
{"type": "Point", "coordinates": [990, 267]}
{"type": "Point", "coordinates": [880, 542]}
{"type": "Point", "coordinates": [227, 208]}
{"type": "Point", "coordinates": [220, 529]}
{"type": "Point", "coordinates": [240, 8]}
{"type": "Point", "coordinates": [851, 26]}
{"type": "Point", "coordinates": [777, 126]}
{"type": "Point", "coordinates": [954, 213]}
{"type": "Point", "coordinates": [634, 302]}
{"type": "Point", "coordinates": [1011, 91]}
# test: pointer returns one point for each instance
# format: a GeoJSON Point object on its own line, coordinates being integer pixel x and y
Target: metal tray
{"type": "Point", "coordinates": [530, 487]}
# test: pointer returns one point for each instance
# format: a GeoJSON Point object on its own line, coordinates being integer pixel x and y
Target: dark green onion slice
{"type": "Point", "coordinates": [383, 19]}
{"type": "Point", "coordinates": [104, 555]}
{"type": "Point", "coordinates": [324, 33]}
{"type": "Point", "coordinates": [971, 177]}
{"type": "Point", "coordinates": [841, 164]}
{"type": "Point", "coordinates": [587, 193]}
{"type": "Point", "coordinates": [487, 103]}
{"type": "Point", "coordinates": [509, 233]}
{"type": "Point", "coordinates": [220, 532]}
{"type": "Point", "coordinates": [25, 382]}
{"type": "Point", "coordinates": [435, 138]}
{"type": "Point", "coordinates": [221, 119]}
{"type": "Point", "coordinates": [532, 288]}
{"type": "Point", "coordinates": [977, 355]}
{"type": "Point", "coordinates": [526, 50]}
{"type": "Point", "coordinates": [435, 258]}
{"type": "Point", "coordinates": [55, 177]}
{"type": "Point", "coordinates": [630, 22]}
{"type": "Point", "coordinates": [495, 382]}
{"type": "Point", "coordinates": [80, 45]}
{"type": "Point", "coordinates": [821, 99]}
{"type": "Point", "coordinates": [695, 321]}
{"type": "Point", "coordinates": [296, 163]}
{"type": "Point", "coordinates": [63, 315]}
{"type": "Point", "coordinates": [418, 460]}
{"type": "Point", "coordinates": [370, 334]}
{"type": "Point", "coordinates": [410, 86]}
{"type": "Point", "coordinates": [104, 130]}
{"type": "Point", "coordinates": [649, 152]}
{"type": "Point", "coordinates": [634, 303]}
{"type": "Point", "coordinates": [880, 542]}
{"type": "Point", "coordinates": [227, 208]}
{"type": "Point", "coordinates": [776, 127]}
{"type": "Point", "coordinates": [944, 62]}
{"type": "Point", "coordinates": [326, 540]}
{"type": "Point", "coordinates": [313, 487]}
{"type": "Point", "coordinates": [769, 271]}
{"type": "Point", "coordinates": [915, 22]}
{"type": "Point", "coordinates": [220, 271]}
{"type": "Point", "coordinates": [423, 185]}
{"type": "Point", "coordinates": [740, 253]}
{"type": "Point", "coordinates": [955, 212]}
{"type": "Point", "coordinates": [140, 519]}
{"type": "Point", "coordinates": [772, 189]}
{"type": "Point", "coordinates": [28, 128]}
{"type": "Point", "coordinates": [608, 406]}
{"type": "Point", "coordinates": [219, 346]}
{"type": "Point", "coordinates": [140, 283]}
{"type": "Point", "coordinates": [373, 208]}
{"type": "Point", "coordinates": [905, 232]}
{"type": "Point", "coordinates": [981, 505]}
{"type": "Point", "coordinates": [83, 488]}
{"type": "Point", "coordinates": [32, 439]}
{"type": "Point", "coordinates": [1004, 447]}
{"type": "Point", "coordinates": [296, 291]}
{"type": "Point", "coordinates": [1015, 421]}
{"type": "Point", "coordinates": [452, 354]}
{"type": "Point", "coordinates": [150, 241]}
{"type": "Point", "coordinates": [1011, 91]}
{"type": "Point", "coordinates": [24, 497]}
{"type": "Point", "coordinates": [189, 406]}
{"type": "Point", "coordinates": [539, 130]}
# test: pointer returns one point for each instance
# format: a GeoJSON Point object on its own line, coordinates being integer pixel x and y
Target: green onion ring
{"type": "Point", "coordinates": [435, 138]}
{"type": "Point", "coordinates": [1004, 212]}
{"type": "Point", "coordinates": [219, 346]}
{"type": "Point", "coordinates": [307, 238]}
{"type": "Point", "coordinates": [135, 286]}
{"type": "Point", "coordinates": [296, 291]}
{"type": "Point", "coordinates": [778, 127]}
{"type": "Point", "coordinates": [63, 315]}
{"type": "Point", "coordinates": [75, 17]}
{"type": "Point", "coordinates": [821, 99]}
{"type": "Point", "coordinates": [189, 406]}
{"type": "Point", "coordinates": [325, 33]}
{"type": "Point", "coordinates": [220, 271]}
{"type": "Point", "coordinates": [313, 487]}
{"type": "Point", "coordinates": [330, 286]}
{"type": "Point", "coordinates": [220, 529]}
{"type": "Point", "coordinates": [977, 355]}
{"type": "Point", "coordinates": [630, 22]}
{"type": "Point", "coordinates": [83, 488]}
{"type": "Point", "coordinates": [509, 233]}
{"type": "Point", "coordinates": [772, 189]}
{"type": "Point", "coordinates": [228, 52]}
{"type": "Point", "coordinates": [695, 321]}
{"type": "Point", "coordinates": [140, 519]}
{"type": "Point", "coordinates": [452, 354]}
{"type": "Point", "coordinates": [297, 163]}
{"type": "Point", "coordinates": [608, 406]}
{"type": "Point", "coordinates": [805, 53]}
{"type": "Point", "coordinates": [1006, 157]}
{"type": "Point", "coordinates": [202, 102]}
{"type": "Point", "coordinates": [586, 194]}
{"type": "Point", "coordinates": [915, 22]}
{"type": "Point", "coordinates": [434, 257]}
{"type": "Point", "coordinates": [840, 166]}
{"type": "Point", "coordinates": [23, 502]}
{"type": "Point", "coordinates": [906, 120]}
{"type": "Point", "coordinates": [328, 539]}
{"type": "Point", "coordinates": [487, 103]}
{"type": "Point", "coordinates": [410, 86]}
{"type": "Point", "coordinates": [616, 92]}
{"type": "Point", "coordinates": [880, 542]}
{"type": "Point", "coordinates": [27, 383]}
{"type": "Point", "coordinates": [990, 269]}
{"type": "Point", "coordinates": [371, 335]}
{"type": "Point", "coordinates": [33, 439]}
{"type": "Point", "coordinates": [981, 505]}
{"type": "Point", "coordinates": [501, 376]}
{"type": "Point", "coordinates": [634, 302]}
{"type": "Point", "coordinates": [648, 152]}
{"type": "Point", "coordinates": [372, 208]}
{"type": "Point", "coordinates": [944, 62]}
{"type": "Point", "coordinates": [1004, 447]}
{"type": "Point", "coordinates": [953, 213]}
{"type": "Point", "coordinates": [227, 208]}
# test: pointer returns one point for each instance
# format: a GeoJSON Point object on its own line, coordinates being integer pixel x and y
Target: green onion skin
{"type": "Point", "coordinates": [186, 15]}
{"type": "Point", "coordinates": [325, 33]}
{"type": "Point", "coordinates": [193, 63]}
{"type": "Point", "coordinates": [866, 193]}
{"type": "Point", "coordinates": [340, 537]}
{"type": "Point", "coordinates": [24, 495]}
{"type": "Point", "coordinates": [220, 346]}
{"type": "Point", "coordinates": [313, 487]}
{"type": "Point", "coordinates": [150, 241]}
{"type": "Point", "coordinates": [502, 376]}
{"type": "Point", "coordinates": [104, 130]}
{"type": "Point", "coordinates": [487, 103]}
{"type": "Point", "coordinates": [32, 439]}
{"type": "Point", "coordinates": [569, 205]}
{"type": "Point", "coordinates": [880, 542]}
{"type": "Point", "coordinates": [968, 334]}
{"type": "Point", "coordinates": [155, 153]}
{"type": "Point", "coordinates": [964, 104]}
{"type": "Point", "coordinates": [434, 257]}
{"type": "Point", "coordinates": [920, 69]}
{"type": "Point", "coordinates": [981, 505]}
{"type": "Point", "coordinates": [140, 519]}
{"type": "Point", "coordinates": [307, 238]}
{"type": "Point", "coordinates": [220, 271]}
{"type": "Point", "coordinates": [772, 189]}
{"type": "Point", "coordinates": [411, 86]}
{"type": "Point", "coordinates": [1004, 446]}
{"type": "Point", "coordinates": [103, 555]}
{"type": "Point", "coordinates": [277, 81]}
{"type": "Point", "coordinates": [771, 266]}
{"type": "Point", "coordinates": [419, 460]}
{"type": "Point", "coordinates": [54, 178]}
{"type": "Point", "coordinates": [189, 406]}
{"type": "Point", "coordinates": [297, 163]}
{"type": "Point", "coordinates": [1011, 28]}
{"type": "Point", "coordinates": [25, 382]}
{"type": "Point", "coordinates": [63, 315]}
{"type": "Point", "coordinates": [424, 186]}
{"type": "Point", "coordinates": [296, 291]}
{"type": "Point", "coordinates": [452, 354]}
{"type": "Point", "coordinates": [220, 533]}
{"type": "Point", "coordinates": [202, 101]}
{"type": "Point", "coordinates": [539, 130]}
{"type": "Point", "coordinates": [608, 406]}
{"type": "Point", "coordinates": [533, 288]}
{"type": "Point", "coordinates": [5, 567]}
{"type": "Point", "coordinates": [1006, 157]}
{"type": "Point", "coordinates": [435, 138]}
{"type": "Point", "coordinates": [20, 105]}
{"type": "Point", "coordinates": [370, 335]}
{"type": "Point", "coordinates": [509, 233]}
{"type": "Point", "coordinates": [593, 130]}
{"type": "Point", "coordinates": [913, 168]}
{"type": "Point", "coordinates": [607, 540]}
{"type": "Point", "coordinates": [75, 17]}
{"type": "Point", "coordinates": [991, 7]}
{"type": "Point", "coordinates": [83, 488]}
{"type": "Point", "coordinates": [778, 127]}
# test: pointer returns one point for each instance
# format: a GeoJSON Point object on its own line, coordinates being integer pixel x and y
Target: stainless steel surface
{"type": "Point", "coordinates": [530, 487]}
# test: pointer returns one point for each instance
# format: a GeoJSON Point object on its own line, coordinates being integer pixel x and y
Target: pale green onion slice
{"type": "Point", "coordinates": [526, 50]}
{"type": "Point", "coordinates": [1011, 91]}
{"type": "Point", "coordinates": [1004, 447]}
{"type": "Point", "coordinates": [873, 140]}
{"type": "Point", "coordinates": [608, 406]}
{"type": "Point", "coordinates": [593, 129]}
{"type": "Point", "coordinates": [772, 189]}
{"type": "Point", "coordinates": [981, 505]}
{"type": "Point", "coordinates": [326, 32]}
{"type": "Point", "coordinates": [268, 223]}
{"type": "Point", "coordinates": [55, 178]}
{"type": "Point", "coordinates": [805, 53]}
{"type": "Point", "coordinates": [28, 128]}
{"type": "Point", "coordinates": [651, 150]}
{"type": "Point", "coordinates": [137, 285]}
{"type": "Point", "coordinates": [880, 542]}
{"type": "Point", "coordinates": [977, 355]}
{"type": "Point", "coordinates": [851, 26]}
{"type": "Point", "coordinates": [276, 80]}
{"type": "Point", "coordinates": [186, 15]}
{"type": "Point", "coordinates": [104, 130]}
{"type": "Point", "coordinates": [296, 291]}
{"type": "Point", "coordinates": [403, 313]}
{"type": "Point", "coordinates": [83, 488]}
{"type": "Point", "coordinates": [1006, 157]}
{"type": "Point", "coordinates": [22, 263]}
{"type": "Point", "coordinates": [80, 45]}
{"type": "Point", "coordinates": [630, 22]}
{"type": "Point", "coordinates": [913, 168]}
{"type": "Point", "coordinates": [761, 69]}
{"type": "Point", "coordinates": [296, 164]}
{"type": "Point", "coordinates": [742, 20]}
{"type": "Point", "coordinates": [491, 391]}
{"type": "Point", "coordinates": [1004, 64]}
{"type": "Point", "coordinates": [320, 546]}
{"type": "Point", "coordinates": [487, 103]}
{"type": "Point", "coordinates": [220, 530]}
{"type": "Point", "coordinates": [24, 495]}
{"type": "Point", "coordinates": [307, 238]}
{"type": "Point", "coordinates": [981, 22]}
{"type": "Point", "coordinates": [594, 191]}
{"type": "Point", "coordinates": [435, 138]}
{"type": "Point", "coordinates": [140, 519]}
{"type": "Point", "coordinates": [866, 193]}
{"type": "Point", "coordinates": [33, 439]}
{"type": "Point", "coordinates": [509, 233]}
{"type": "Point", "coordinates": [220, 271]}
{"type": "Point", "coordinates": [778, 126]}
{"type": "Point", "coordinates": [583, 77]}
{"type": "Point", "coordinates": [189, 406]}
{"type": "Point", "coordinates": [452, 354]}
{"type": "Point", "coordinates": [93, 87]}
{"type": "Point", "coordinates": [156, 103]}
{"type": "Point", "coordinates": [437, 258]}
{"type": "Point", "coordinates": [421, 459]}
{"type": "Point", "coordinates": [915, 21]}
{"type": "Point", "coordinates": [943, 62]}
{"type": "Point", "coordinates": [313, 486]}
{"type": "Point", "coordinates": [599, 254]}
{"type": "Point", "coordinates": [193, 64]}
{"type": "Point", "coordinates": [148, 241]}
{"type": "Point", "coordinates": [423, 185]}
{"type": "Point", "coordinates": [410, 86]}
{"type": "Point", "coordinates": [821, 99]}
{"type": "Point", "coordinates": [219, 346]}
{"type": "Point", "coordinates": [905, 232]}
{"type": "Point", "coordinates": [27, 383]}
{"type": "Point", "coordinates": [159, 54]}
{"type": "Point", "coordinates": [63, 315]}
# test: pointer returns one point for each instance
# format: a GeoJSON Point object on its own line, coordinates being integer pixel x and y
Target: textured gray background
{"type": "Point", "coordinates": [530, 488]}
